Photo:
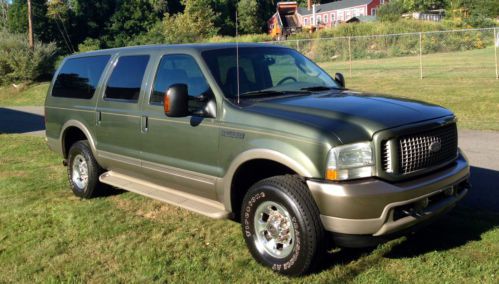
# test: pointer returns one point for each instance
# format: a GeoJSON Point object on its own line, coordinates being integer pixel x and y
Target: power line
{"type": "Point", "coordinates": [67, 34]}
{"type": "Point", "coordinates": [63, 37]}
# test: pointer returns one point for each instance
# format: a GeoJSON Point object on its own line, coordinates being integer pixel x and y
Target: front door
{"type": "Point", "coordinates": [118, 116]}
{"type": "Point", "coordinates": [181, 152]}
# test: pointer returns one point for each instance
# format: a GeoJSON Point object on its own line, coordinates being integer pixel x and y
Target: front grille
{"type": "Point", "coordinates": [421, 150]}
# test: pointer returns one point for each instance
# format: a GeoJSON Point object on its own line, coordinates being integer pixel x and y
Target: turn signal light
{"type": "Point", "coordinates": [166, 103]}
{"type": "Point", "coordinates": [331, 174]}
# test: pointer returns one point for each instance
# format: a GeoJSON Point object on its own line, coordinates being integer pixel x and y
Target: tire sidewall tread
{"type": "Point", "coordinates": [292, 193]}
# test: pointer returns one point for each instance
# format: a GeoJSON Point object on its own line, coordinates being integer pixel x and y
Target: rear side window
{"type": "Point", "coordinates": [78, 77]}
{"type": "Point", "coordinates": [126, 79]}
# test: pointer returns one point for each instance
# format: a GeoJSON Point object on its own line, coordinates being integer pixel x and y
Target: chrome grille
{"type": "Point", "coordinates": [414, 153]}
{"type": "Point", "coordinates": [387, 158]}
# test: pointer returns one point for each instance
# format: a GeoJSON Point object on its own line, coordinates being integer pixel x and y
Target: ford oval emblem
{"type": "Point", "coordinates": [435, 146]}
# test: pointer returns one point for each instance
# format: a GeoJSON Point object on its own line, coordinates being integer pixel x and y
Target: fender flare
{"type": "Point", "coordinates": [260, 154]}
{"type": "Point", "coordinates": [83, 128]}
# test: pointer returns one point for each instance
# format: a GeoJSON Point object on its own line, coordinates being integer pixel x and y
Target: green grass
{"type": "Point", "coordinates": [48, 235]}
{"type": "Point", "coordinates": [27, 95]}
{"type": "Point", "coordinates": [461, 81]}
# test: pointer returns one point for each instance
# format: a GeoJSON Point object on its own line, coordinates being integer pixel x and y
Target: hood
{"type": "Point", "coordinates": [350, 116]}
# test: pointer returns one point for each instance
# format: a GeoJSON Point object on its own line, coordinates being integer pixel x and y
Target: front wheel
{"type": "Point", "coordinates": [281, 225]}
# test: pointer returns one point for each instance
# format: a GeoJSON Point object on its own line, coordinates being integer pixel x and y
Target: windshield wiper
{"type": "Point", "coordinates": [318, 88]}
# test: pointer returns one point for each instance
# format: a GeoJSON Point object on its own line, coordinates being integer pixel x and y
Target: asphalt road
{"type": "Point", "coordinates": [481, 147]}
{"type": "Point", "coordinates": [22, 120]}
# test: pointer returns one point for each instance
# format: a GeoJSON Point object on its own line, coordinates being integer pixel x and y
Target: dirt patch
{"type": "Point", "coordinates": [148, 209]}
{"type": "Point", "coordinates": [155, 213]}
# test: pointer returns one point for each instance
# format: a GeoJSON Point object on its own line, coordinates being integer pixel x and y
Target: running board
{"type": "Point", "coordinates": [201, 205]}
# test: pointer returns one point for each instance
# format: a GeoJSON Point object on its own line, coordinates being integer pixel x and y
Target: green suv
{"type": "Point", "coordinates": [259, 134]}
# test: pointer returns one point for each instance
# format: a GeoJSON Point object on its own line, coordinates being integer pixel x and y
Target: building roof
{"type": "Point", "coordinates": [333, 6]}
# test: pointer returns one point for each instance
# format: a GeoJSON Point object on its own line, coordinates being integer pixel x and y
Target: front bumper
{"type": "Point", "coordinates": [377, 208]}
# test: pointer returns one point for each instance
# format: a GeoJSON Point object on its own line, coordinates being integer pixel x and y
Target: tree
{"type": "Point", "coordinates": [194, 24]}
{"type": "Point", "coordinates": [88, 18]}
{"type": "Point", "coordinates": [18, 19]}
{"type": "Point", "coordinates": [163, 6]}
{"type": "Point", "coordinates": [425, 5]}
{"type": "Point", "coordinates": [133, 17]}
{"type": "Point", "coordinates": [249, 22]}
{"type": "Point", "coordinates": [476, 13]}
{"type": "Point", "coordinates": [486, 8]}
{"type": "Point", "coordinates": [58, 13]}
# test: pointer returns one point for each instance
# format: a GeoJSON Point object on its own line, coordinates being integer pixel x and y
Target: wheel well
{"type": "Point", "coordinates": [71, 135]}
{"type": "Point", "coordinates": [248, 174]}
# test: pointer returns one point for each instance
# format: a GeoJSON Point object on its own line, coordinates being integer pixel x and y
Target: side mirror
{"type": "Point", "coordinates": [338, 77]}
{"type": "Point", "coordinates": [176, 101]}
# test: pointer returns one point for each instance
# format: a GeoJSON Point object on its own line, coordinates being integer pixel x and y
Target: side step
{"type": "Point", "coordinates": [201, 205]}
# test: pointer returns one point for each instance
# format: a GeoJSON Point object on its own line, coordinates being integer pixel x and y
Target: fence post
{"type": "Point", "coordinates": [298, 45]}
{"type": "Point", "coordinates": [421, 55]}
{"type": "Point", "coordinates": [496, 42]}
{"type": "Point", "coordinates": [350, 54]}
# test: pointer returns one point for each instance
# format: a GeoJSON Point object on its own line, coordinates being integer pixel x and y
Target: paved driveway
{"type": "Point", "coordinates": [22, 120]}
{"type": "Point", "coordinates": [481, 147]}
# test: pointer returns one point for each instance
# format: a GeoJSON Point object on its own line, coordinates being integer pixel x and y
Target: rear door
{"type": "Point", "coordinates": [118, 114]}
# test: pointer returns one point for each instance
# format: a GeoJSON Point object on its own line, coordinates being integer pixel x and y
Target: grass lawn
{"type": "Point", "coordinates": [48, 235]}
{"type": "Point", "coordinates": [31, 95]}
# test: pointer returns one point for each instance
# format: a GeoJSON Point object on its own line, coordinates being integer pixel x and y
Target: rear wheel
{"type": "Point", "coordinates": [281, 225]}
{"type": "Point", "coordinates": [84, 171]}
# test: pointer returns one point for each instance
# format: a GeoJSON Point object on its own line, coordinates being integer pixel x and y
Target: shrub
{"type": "Point", "coordinates": [89, 44]}
{"type": "Point", "coordinates": [18, 63]}
{"type": "Point", "coordinates": [391, 11]}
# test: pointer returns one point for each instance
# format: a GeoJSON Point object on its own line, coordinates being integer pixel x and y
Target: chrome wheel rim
{"type": "Point", "coordinates": [80, 171]}
{"type": "Point", "coordinates": [274, 230]}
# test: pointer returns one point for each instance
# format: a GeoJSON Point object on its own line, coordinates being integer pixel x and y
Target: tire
{"type": "Point", "coordinates": [84, 171]}
{"type": "Point", "coordinates": [281, 225]}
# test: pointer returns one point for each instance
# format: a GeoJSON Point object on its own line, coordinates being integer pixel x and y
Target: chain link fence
{"type": "Point", "coordinates": [470, 52]}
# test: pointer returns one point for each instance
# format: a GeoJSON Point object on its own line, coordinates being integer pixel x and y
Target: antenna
{"type": "Point", "coordinates": [237, 58]}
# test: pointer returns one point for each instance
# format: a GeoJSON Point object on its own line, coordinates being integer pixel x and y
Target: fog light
{"type": "Point", "coordinates": [422, 204]}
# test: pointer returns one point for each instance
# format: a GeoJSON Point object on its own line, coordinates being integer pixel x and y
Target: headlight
{"type": "Point", "coordinates": [350, 162]}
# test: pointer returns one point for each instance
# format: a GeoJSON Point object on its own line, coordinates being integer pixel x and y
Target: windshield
{"type": "Point", "coordinates": [265, 71]}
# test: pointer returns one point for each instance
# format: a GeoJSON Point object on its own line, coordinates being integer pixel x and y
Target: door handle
{"type": "Point", "coordinates": [98, 117]}
{"type": "Point", "coordinates": [145, 124]}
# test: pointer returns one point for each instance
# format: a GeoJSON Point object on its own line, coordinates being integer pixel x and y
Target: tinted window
{"type": "Point", "coordinates": [78, 77]}
{"type": "Point", "coordinates": [127, 77]}
{"type": "Point", "coordinates": [264, 69]}
{"type": "Point", "coordinates": [178, 69]}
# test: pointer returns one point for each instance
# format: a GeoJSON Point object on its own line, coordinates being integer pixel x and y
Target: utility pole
{"type": "Point", "coordinates": [30, 27]}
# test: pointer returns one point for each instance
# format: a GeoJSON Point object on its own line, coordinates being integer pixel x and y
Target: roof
{"type": "Point", "coordinates": [363, 19]}
{"type": "Point", "coordinates": [333, 6]}
{"type": "Point", "coordinates": [199, 47]}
